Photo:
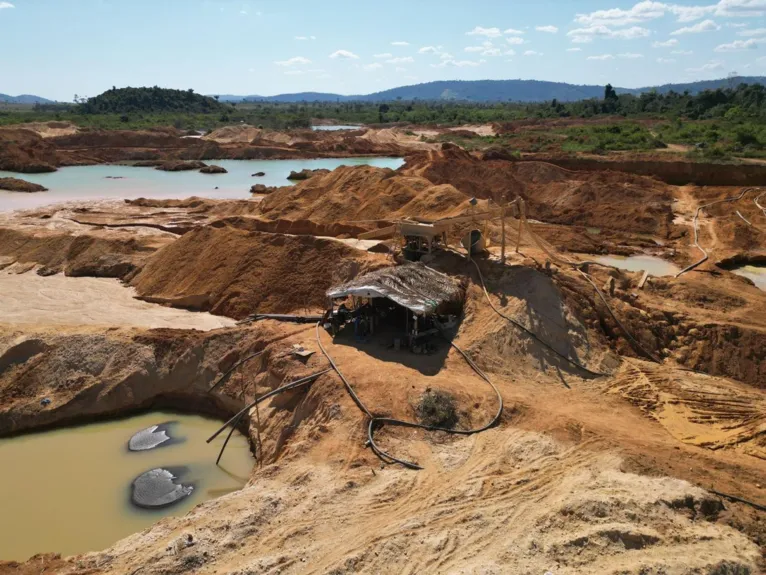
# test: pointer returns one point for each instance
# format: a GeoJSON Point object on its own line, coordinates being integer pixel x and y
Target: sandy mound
{"type": "Point", "coordinates": [610, 200]}
{"type": "Point", "coordinates": [50, 129]}
{"type": "Point", "coordinates": [238, 272]}
{"type": "Point", "coordinates": [77, 255]}
{"type": "Point", "coordinates": [242, 134]}
{"type": "Point", "coordinates": [363, 193]}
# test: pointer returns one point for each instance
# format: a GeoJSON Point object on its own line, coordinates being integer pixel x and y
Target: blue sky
{"type": "Point", "coordinates": [58, 48]}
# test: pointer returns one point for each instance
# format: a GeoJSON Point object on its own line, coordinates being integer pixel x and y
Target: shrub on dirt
{"type": "Point", "coordinates": [437, 409]}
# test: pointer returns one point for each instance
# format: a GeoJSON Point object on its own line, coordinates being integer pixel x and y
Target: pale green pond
{"type": "Point", "coordinates": [110, 181]}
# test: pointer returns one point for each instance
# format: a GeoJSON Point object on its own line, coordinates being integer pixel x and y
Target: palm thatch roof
{"type": "Point", "coordinates": [414, 286]}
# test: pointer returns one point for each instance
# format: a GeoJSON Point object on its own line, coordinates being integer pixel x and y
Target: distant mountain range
{"type": "Point", "coordinates": [24, 99]}
{"type": "Point", "coordinates": [466, 90]}
{"type": "Point", "coordinates": [494, 91]}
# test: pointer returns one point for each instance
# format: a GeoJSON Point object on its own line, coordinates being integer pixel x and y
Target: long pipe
{"type": "Point", "coordinates": [265, 396]}
{"type": "Point", "coordinates": [705, 255]}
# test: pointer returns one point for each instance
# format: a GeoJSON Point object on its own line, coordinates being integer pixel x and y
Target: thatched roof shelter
{"type": "Point", "coordinates": [414, 286]}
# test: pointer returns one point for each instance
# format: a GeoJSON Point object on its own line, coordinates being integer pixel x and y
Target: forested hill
{"type": "Point", "coordinates": [127, 100]}
{"type": "Point", "coordinates": [499, 91]}
{"type": "Point", "coordinates": [24, 99]}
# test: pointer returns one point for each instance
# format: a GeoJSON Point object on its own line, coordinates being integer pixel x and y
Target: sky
{"type": "Point", "coordinates": [59, 48]}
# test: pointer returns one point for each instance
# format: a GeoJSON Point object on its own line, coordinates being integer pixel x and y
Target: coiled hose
{"type": "Point", "coordinates": [377, 421]}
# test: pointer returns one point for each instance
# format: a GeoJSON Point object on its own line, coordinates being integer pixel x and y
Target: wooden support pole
{"type": "Point", "coordinates": [502, 228]}
{"type": "Point", "coordinates": [521, 209]}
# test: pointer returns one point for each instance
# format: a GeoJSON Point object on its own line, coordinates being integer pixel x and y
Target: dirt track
{"type": "Point", "coordinates": [583, 475]}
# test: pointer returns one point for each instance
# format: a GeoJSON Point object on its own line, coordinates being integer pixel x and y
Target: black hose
{"type": "Point", "coordinates": [224, 377]}
{"type": "Point", "coordinates": [752, 504]}
{"type": "Point", "coordinates": [530, 332]}
{"type": "Point", "coordinates": [265, 396]}
{"type": "Point", "coordinates": [375, 421]}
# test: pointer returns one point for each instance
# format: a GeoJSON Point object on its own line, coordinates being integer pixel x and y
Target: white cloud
{"type": "Point", "coordinates": [666, 44]}
{"type": "Point", "coordinates": [384, 55]}
{"type": "Point", "coordinates": [486, 49]}
{"type": "Point", "coordinates": [446, 56]}
{"type": "Point", "coordinates": [704, 26]}
{"type": "Point", "coordinates": [316, 70]}
{"type": "Point", "coordinates": [5, 5]}
{"type": "Point", "coordinates": [400, 43]}
{"type": "Point", "coordinates": [509, 52]}
{"type": "Point", "coordinates": [402, 60]}
{"type": "Point", "coordinates": [712, 66]}
{"type": "Point", "coordinates": [297, 61]}
{"type": "Point", "coordinates": [457, 63]}
{"type": "Point", "coordinates": [649, 10]}
{"type": "Point", "coordinates": [665, 60]}
{"type": "Point", "coordinates": [513, 32]}
{"type": "Point", "coordinates": [641, 12]}
{"type": "Point", "coordinates": [241, 11]}
{"type": "Point", "coordinates": [548, 29]}
{"type": "Point", "coordinates": [602, 57]}
{"type": "Point", "coordinates": [344, 54]}
{"type": "Point", "coordinates": [532, 53]}
{"type": "Point", "coordinates": [581, 35]}
{"type": "Point", "coordinates": [682, 52]}
{"type": "Point", "coordinates": [574, 49]}
{"type": "Point", "coordinates": [630, 55]}
{"type": "Point", "coordinates": [430, 50]}
{"type": "Point", "coordinates": [474, 48]}
{"type": "Point", "coordinates": [488, 32]}
{"type": "Point", "coordinates": [691, 13]}
{"type": "Point", "coordinates": [515, 41]}
{"type": "Point", "coordinates": [305, 37]}
{"type": "Point", "coordinates": [374, 66]}
{"type": "Point", "coordinates": [736, 25]}
{"type": "Point", "coordinates": [738, 46]}
{"type": "Point", "coordinates": [398, 69]}
{"type": "Point", "coordinates": [492, 52]}
{"type": "Point", "coordinates": [753, 32]}
{"type": "Point", "coordinates": [293, 72]}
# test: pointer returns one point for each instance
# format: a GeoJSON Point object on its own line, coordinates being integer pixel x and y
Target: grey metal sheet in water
{"type": "Point", "coordinates": [149, 438]}
{"type": "Point", "coordinates": [414, 286]}
{"type": "Point", "coordinates": [157, 488]}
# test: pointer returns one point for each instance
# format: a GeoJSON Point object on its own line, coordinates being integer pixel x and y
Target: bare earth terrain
{"type": "Point", "coordinates": [632, 441]}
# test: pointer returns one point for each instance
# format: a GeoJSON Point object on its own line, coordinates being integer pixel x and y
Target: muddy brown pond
{"type": "Point", "coordinates": [69, 490]}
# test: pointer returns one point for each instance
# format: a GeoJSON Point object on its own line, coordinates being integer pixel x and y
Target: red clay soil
{"type": "Point", "coordinates": [353, 194]}
{"type": "Point", "coordinates": [237, 272]}
{"type": "Point", "coordinates": [77, 255]}
{"type": "Point", "coordinates": [610, 200]}
{"type": "Point", "coordinates": [25, 151]}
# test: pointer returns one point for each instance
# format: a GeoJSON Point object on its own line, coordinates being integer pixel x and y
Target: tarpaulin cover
{"type": "Point", "coordinates": [414, 286]}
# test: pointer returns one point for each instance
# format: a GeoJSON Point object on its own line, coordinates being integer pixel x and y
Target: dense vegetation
{"type": "Point", "coordinates": [130, 100]}
{"type": "Point", "coordinates": [715, 123]}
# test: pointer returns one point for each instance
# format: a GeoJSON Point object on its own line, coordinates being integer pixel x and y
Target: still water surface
{"type": "Point", "coordinates": [335, 128]}
{"type": "Point", "coordinates": [654, 265]}
{"type": "Point", "coordinates": [68, 490]}
{"type": "Point", "coordinates": [112, 181]}
{"type": "Point", "coordinates": [755, 273]}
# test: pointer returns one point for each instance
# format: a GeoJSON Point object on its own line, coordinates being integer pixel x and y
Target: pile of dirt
{"type": "Point", "coordinates": [610, 200]}
{"type": "Point", "coordinates": [363, 193]}
{"type": "Point", "coordinates": [242, 134]}
{"type": "Point", "coordinates": [25, 151]}
{"type": "Point", "coordinates": [475, 178]}
{"type": "Point", "coordinates": [17, 185]}
{"type": "Point", "coordinates": [237, 272]}
{"type": "Point", "coordinates": [50, 129]}
{"type": "Point", "coordinates": [76, 255]}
